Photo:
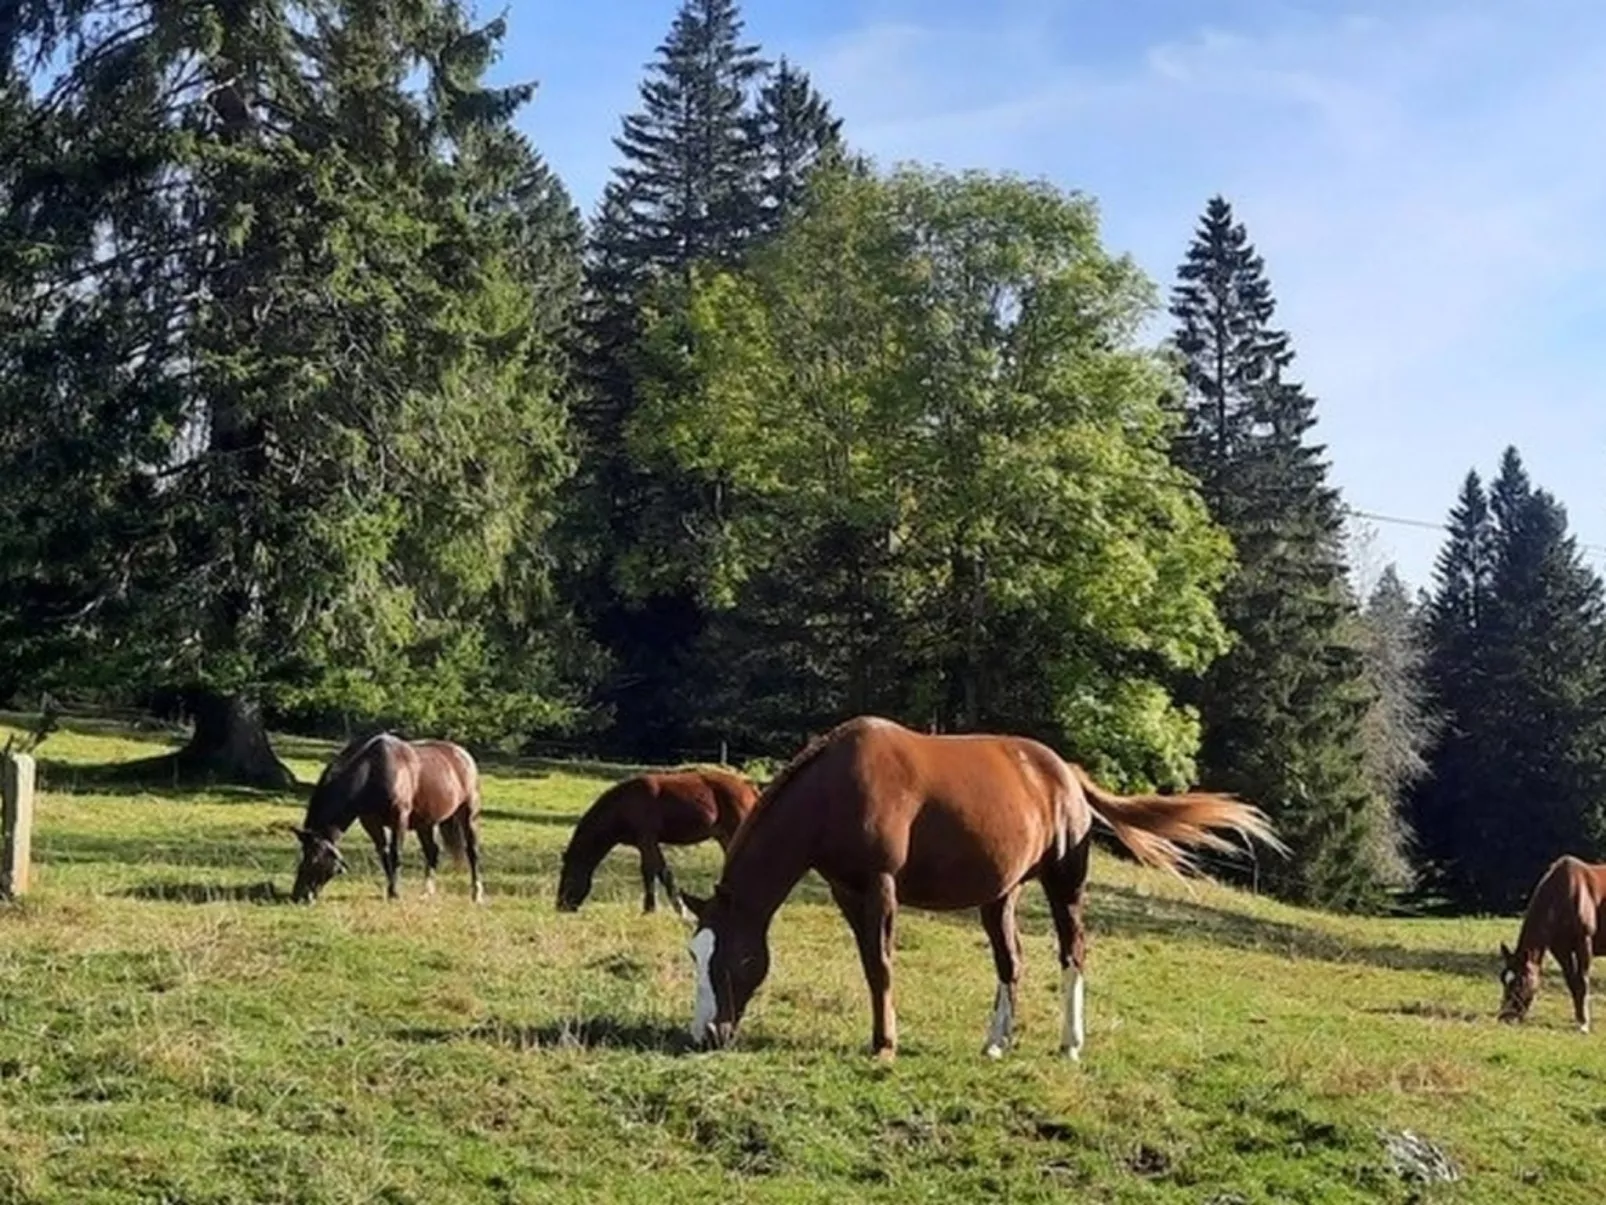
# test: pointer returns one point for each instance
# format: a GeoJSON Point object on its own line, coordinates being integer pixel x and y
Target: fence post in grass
{"type": "Point", "coordinates": [16, 822]}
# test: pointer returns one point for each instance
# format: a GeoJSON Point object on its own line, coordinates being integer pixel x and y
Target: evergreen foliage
{"type": "Point", "coordinates": [295, 428]}
{"type": "Point", "coordinates": [1283, 711]}
{"type": "Point", "coordinates": [1518, 664]}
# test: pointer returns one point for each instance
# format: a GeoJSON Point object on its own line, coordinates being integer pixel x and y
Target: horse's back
{"type": "Point", "coordinates": [958, 819]}
{"type": "Point", "coordinates": [688, 806]}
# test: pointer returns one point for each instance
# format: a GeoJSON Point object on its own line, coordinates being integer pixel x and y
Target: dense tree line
{"type": "Point", "coordinates": [321, 405]}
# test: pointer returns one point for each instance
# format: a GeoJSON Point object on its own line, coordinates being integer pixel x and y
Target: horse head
{"type": "Point", "coordinates": [731, 957]}
{"type": "Point", "coordinates": [321, 861]}
{"type": "Point", "coordinates": [1519, 976]}
{"type": "Point", "coordinates": [574, 883]}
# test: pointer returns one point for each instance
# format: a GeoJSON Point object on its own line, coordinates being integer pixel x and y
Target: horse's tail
{"type": "Point", "coordinates": [1158, 828]}
{"type": "Point", "coordinates": [453, 831]}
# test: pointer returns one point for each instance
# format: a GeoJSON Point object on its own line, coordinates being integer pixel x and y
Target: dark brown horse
{"type": "Point", "coordinates": [1563, 917]}
{"type": "Point", "coordinates": [389, 786]}
{"type": "Point", "coordinates": [889, 816]}
{"type": "Point", "coordinates": [649, 811]}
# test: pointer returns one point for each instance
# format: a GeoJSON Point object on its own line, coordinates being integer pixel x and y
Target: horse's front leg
{"type": "Point", "coordinates": [871, 915]}
{"type": "Point", "coordinates": [655, 868]}
{"type": "Point", "coordinates": [1578, 981]}
{"type": "Point", "coordinates": [375, 828]}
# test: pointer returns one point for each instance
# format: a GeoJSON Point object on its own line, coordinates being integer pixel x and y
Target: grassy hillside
{"type": "Point", "coordinates": [170, 1032]}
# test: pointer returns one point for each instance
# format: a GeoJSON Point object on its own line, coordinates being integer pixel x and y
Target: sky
{"type": "Point", "coordinates": [1426, 180]}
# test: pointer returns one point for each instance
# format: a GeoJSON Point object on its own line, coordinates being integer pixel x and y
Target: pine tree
{"type": "Point", "coordinates": [1283, 710]}
{"type": "Point", "coordinates": [686, 192]}
{"type": "Point", "coordinates": [1519, 666]}
{"type": "Point", "coordinates": [690, 156]}
{"type": "Point", "coordinates": [315, 450]}
{"type": "Point", "coordinates": [1458, 679]}
{"type": "Point", "coordinates": [794, 131]}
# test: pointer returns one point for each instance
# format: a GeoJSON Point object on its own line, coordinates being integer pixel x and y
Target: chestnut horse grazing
{"type": "Point", "coordinates": [1563, 917]}
{"type": "Point", "coordinates": [889, 816]}
{"type": "Point", "coordinates": [391, 785]}
{"type": "Point", "coordinates": [681, 807]}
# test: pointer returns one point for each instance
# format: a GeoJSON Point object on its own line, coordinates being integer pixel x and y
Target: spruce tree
{"type": "Point", "coordinates": [1519, 666]}
{"type": "Point", "coordinates": [689, 153]}
{"type": "Point", "coordinates": [313, 455]}
{"type": "Point", "coordinates": [1457, 676]}
{"type": "Point", "coordinates": [1283, 711]}
{"type": "Point", "coordinates": [685, 192]}
{"type": "Point", "coordinates": [793, 131]}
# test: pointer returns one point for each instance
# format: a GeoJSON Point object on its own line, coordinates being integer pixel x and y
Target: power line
{"type": "Point", "coordinates": [1428, 526]}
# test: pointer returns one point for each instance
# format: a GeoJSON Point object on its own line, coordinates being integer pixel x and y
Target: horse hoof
{"type": "Point", "coordinates": [886, 1055]}
{"type": "Point", "coordinates": [1584, 1028]}
{"type": "Point", "coordinates": [994, 1051]}
{"type": "Point", "coordinates": [1073, 1053]}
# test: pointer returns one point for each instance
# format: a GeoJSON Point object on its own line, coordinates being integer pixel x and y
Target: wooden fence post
{"type": "Point", "coordinates": [16, 822]}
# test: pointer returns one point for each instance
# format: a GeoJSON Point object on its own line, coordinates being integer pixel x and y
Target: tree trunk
{"type": "Point", "coordinates": [230, 744]}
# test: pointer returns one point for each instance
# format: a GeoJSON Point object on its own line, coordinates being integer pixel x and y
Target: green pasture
{"type": "Point", "coordinates": [171, 1032]}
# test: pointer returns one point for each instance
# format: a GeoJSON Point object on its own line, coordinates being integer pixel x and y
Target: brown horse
{"type": "Point", "coordinates": [681, 807]}
{"type": "Point", "coordinates": [889, 816]}
{"type": "Point", "coordinates": [390, 785]}
{"type": "Point", "coordinates": [1563, 917]}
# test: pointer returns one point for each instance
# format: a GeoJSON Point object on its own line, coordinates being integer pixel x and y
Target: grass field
{"type": "Point", "coordinates": [170, 1032]}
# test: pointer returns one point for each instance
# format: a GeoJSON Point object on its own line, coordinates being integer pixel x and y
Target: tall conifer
{"type": "Point", "coordinates": [1283, 711]}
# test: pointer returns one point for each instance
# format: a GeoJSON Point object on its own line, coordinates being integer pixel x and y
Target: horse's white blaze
{"type": "Point", "coordinates": [1003, 1022]}
{"type": "Point", "coordinates": [1075, 1006]}
{"type": "Point", "coordinates": [704, 1007]}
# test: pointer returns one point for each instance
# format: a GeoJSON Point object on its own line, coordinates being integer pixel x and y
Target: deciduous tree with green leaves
{"type": "Point", "coordinates": [943, 467]}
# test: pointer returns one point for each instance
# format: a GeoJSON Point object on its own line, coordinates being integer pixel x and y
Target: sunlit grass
{"type": "Point", "coordinates": [170, 1031]}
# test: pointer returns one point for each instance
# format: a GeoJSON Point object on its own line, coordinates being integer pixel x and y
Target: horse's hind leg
{"type": "Point", "coordinates": [469, 818]}
{"type": "Point", "coordinates": [871, 914]}
{"type": "Point", "coordinates": [432, 856]}
{"type": "Point", "coordinates": [398, 829]}
{"type": "Point", "coordinates": [998, 918]}
{"type": "Point", "coordinates": [1065, 884]}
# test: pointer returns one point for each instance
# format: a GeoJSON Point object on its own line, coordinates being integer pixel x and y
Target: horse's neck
{"type": "Point", "coordinates": [597, 833]}
{"type": "Point", "coordinates": [332, 813]}
{"type": "Point", "coordinates": [773, 857]}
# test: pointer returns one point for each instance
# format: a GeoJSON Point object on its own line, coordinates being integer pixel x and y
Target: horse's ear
{"type": "Point", "coordinates": [696, 906]}
{"type": "Point", "coordinates": [301, 833]}
{"type": "Point", "coordinates": [1505, 953]}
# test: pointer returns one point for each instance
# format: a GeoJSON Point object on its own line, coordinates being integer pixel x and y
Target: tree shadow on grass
{"type": "Point", "coordinates": [544, 818]}
{"type": "Point", "coordinates": [1123, 911]}
{"type": "Point", "coordinates": [579, 1033]}
{"type": "Point", "coordinates": [209, 893]}
{"type": "Point", "coordinates": [152, 777]}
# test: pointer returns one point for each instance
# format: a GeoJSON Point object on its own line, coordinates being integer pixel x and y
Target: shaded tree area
{"type": "Point", "coordinates": [711, 163]}
{"type": "Point", "coordinates": [282, 418]}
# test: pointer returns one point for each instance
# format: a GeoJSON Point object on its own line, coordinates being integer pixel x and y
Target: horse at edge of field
{"type": "Point", "coordinates": [389, 785]}
{"type": "Point", "coordinates": [649, 811]}
{"type": "Point", "coordinates": [1563, 917]}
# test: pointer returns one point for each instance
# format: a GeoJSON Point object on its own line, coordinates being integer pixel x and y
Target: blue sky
{"type": "Point", "coordinates": [1426, 180]}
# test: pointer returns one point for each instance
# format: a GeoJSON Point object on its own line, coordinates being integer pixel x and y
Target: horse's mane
{"type": "Point", "coordinates": [777, 784]}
